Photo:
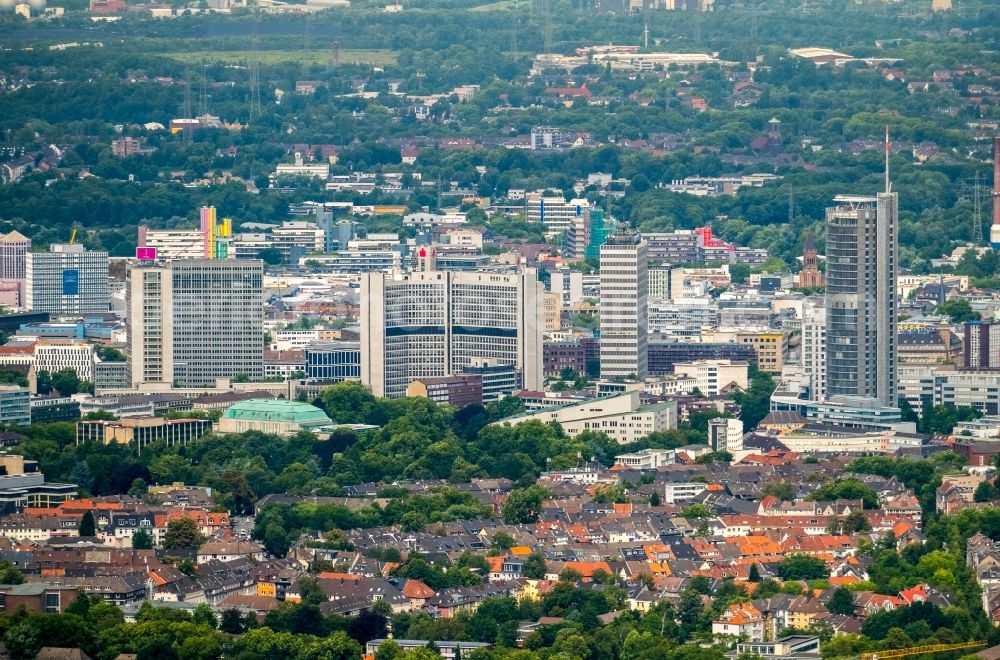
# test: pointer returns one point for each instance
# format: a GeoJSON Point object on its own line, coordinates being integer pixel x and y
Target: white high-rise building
{"type": "Point", "coordinates": [435, 323]}
{"type": "Point", "coordinates": [193, 321]}
{"type": "Point", "coordinates": [861, 297]}
{"type": "Point", "coordinates": [67, 280]}
{"type": "Point", "coordinates": [554, 212]}
{"type": "Point", "coordinates": [624, 322]}
{"type": "Point", "coordinates": [814, 347]}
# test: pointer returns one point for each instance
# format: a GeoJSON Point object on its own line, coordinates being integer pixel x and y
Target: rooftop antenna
{"type": "Point", "coordinates": [888, 186]}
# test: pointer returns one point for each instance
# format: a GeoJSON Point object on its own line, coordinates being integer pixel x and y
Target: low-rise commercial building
{"type": "Point", "coordinates": [621, 417]}
{"type": "Point", "coordinates": [142, 431]}
{"type": "Point", "coordinates": [273, 416]}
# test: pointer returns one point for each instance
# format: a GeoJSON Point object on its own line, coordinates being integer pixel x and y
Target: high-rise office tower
{"type": "Point", "coordinates": [14, 248]}
{"type": "Point", "coordinates": [67, 280]}
{"type": "Point", "coordinates": [192, 321]}
{"type": "Point", "coordinates": [624, 324]}
{"type": "Point", "coordinates": [861, 305]}
{"type": "Point", "coordinates": [437, 323]}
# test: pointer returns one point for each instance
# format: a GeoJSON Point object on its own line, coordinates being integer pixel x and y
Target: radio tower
{"type": "Point", "coordinates": [977, 212]}
{"type": "Point", "coordinates": [255, 107]}
{"type": "Point", "coordinates": [995, 227]}
{"type": "Point", "coordinates": [186, 108]}
{"type": "Point", "coordinates": [203, 105]}
{"type": "Point", "coordinates": [645, 23]}
{"type": "Point", "coordinates": [547, 26]}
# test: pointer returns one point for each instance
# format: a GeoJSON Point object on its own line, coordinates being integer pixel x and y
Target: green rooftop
{"type": "Point", "coordinates": [278, 410]}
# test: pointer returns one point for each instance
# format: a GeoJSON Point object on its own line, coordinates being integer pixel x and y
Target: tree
{"type": "Point", "coordinates": [781, 489]}
{"type": "Point", "coordinates": [87, 526]}
{"type": "Point", "coordinates": [753, 575]}
{"type": "Point", "coordinates": [232, 622]}
{"type": "Point", "coordinates": [523, 505]}
{"type": "Point", "coordinates": [985, 492]}
{"type": "Point", "coordinates": [182, 534]}
{"type": "Point", "coordinates": [855, 522]}
{"type": "Point", "coordinates": [958, 310]}
{"type": "Point", "coordinates": [503, 541]}
{"type": "Point", "coordinates": [310, 592]}
{"type": "Point", "coordinates": [841, 602]}
{"type": "Point", "coordinates": [9, 574]}
{"type": "Point", "coordinates": [534, 566]}
{"type": "Point", "coordinates": [654, 499]}
{"type": "Point", "coordinates": [802, 567]}
{"type": "Point", "coordinates": [204, 615]}
{"type": "Point", "coordinates": [847, 488]}
{"type": "Point", "coordinates": [142, 540]}
{"type": "Point", "coordinates": [348, 402]}
{"type": "Point", "coordinates": [271, 256]}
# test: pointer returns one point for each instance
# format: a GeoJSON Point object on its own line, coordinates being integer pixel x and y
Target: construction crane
{"type": "Point", "coordinates": [920, 650]}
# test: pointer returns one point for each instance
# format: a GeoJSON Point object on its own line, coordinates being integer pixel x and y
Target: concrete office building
{"type": "Point", "coordinates": [624, 323]}
{"type": "Point", "coordinates": [659, 281]}
{"type": "Point", "coordinates": [67, 280]}
{"type": "Point", "coordinates": [814, 347]}
{"type": "Point", "coordinates": [334, 361]}
{"type": "Point", "coordinates": [861, 297]}
{"type": "Point", "coordinates": [54, 357]}
{"type": "Point", "coordinates": [15, 408]}
{"type": "Point", "coordinates": [173, 243]}
{"type": "Point", "coordinates": [297, 239]}
{"type": "Point", "coordinates": [436, 323]}
{"type": "Point", "coordinates": [193, 321]}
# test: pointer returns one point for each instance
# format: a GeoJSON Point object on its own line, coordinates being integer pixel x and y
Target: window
{"type": "Point", "coordinates": [52, 603]}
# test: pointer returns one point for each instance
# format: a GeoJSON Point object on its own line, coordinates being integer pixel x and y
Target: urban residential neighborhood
{"type": "Point", "coordinates": [518, 330]}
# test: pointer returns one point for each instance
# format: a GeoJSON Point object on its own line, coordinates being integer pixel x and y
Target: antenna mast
{"type": "Point", "coordinates": [887, 184]}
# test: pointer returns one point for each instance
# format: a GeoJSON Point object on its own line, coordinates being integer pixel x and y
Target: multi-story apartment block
{"type": "Point", "coordinates": [714, 376]}
{"type": "Point", "coordinates": [982, 345]}
{"type": "Point", "coordinates": [193, 321]}
{"type": "Point", "coordinates": [725, 434]}
{"type": "Point", "coordinates": [814, 347]}
{"type": "Point", "coordinates": [435, 323]}
{"type": "Point", "coordinates": [771, 347]}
